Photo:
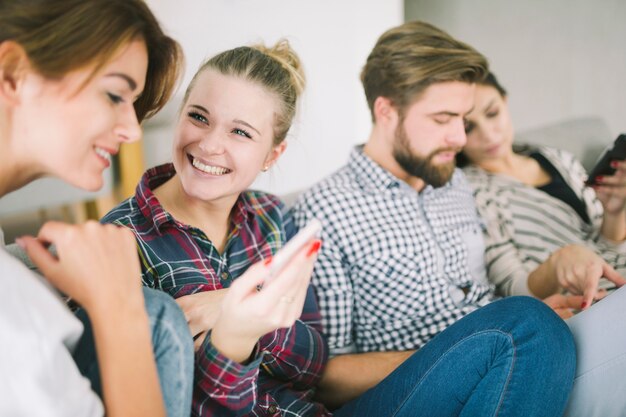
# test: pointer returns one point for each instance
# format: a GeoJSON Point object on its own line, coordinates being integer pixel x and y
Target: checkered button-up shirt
{"type": "Point", "coordinates": [395, 268]}
{"type": "Point", "coordinates": [181, 260]}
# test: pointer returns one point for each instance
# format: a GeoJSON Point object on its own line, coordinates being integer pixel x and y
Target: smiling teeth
{"type": "Point", "coordinates": [208, 168]}
{"type": "Point", "coordinates": [104, 154]}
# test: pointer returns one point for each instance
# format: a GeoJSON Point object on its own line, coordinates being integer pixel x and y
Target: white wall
{"type": "Point", "coordinates": [557, 58]}
{"type": "Point", "coordinates": [333, 39]}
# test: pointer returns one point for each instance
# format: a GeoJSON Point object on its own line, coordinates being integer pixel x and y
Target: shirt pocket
{"type": "Point", "coordinates": [394, 285]}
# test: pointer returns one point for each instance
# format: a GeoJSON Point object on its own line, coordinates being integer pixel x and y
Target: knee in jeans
{"type": "Point", "coordinates": [545, 326]}
{"type": "Point", "coordinates": [161, 307]}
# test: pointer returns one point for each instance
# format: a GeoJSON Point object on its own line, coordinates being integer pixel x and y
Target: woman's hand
{"type": "Point", "coordinates": [247, 313]}
{"type": "Point", "coordinates": [201, 311]}
{"type": "Point", "coordinates": [97, 265]}
{"type": "Point", "coordinates": [611, 190]}
{"type": "Point", "coordinates": [579, 269]}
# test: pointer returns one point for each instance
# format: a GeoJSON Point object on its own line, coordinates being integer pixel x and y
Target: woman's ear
{"type": "Point", "coordinates": [274, 154]}
{"type": "Point", "coordinates": [14, 65]}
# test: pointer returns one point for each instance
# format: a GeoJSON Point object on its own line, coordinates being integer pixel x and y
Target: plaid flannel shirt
{"type": "Point", "coordinates": [180, 260]}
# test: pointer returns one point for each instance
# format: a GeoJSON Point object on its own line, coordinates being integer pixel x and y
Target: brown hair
{"type": "Point", "coordinates": [277, 68]}
{"type": "Point", "coordinates": [409, 58]}
{"type": "Point", "coordinates": [64, 35]}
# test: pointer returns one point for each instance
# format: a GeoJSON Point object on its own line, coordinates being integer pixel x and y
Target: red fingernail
{"type": "Point", "coordinates": [267, 260]}
{"type": "Point", "coordinates": [614, 164]}
{"type": "Point", "coordinates": [583, 305]}
{"type": "Point", "coordinates": [315, 247]}
{"type": "Point", "coordinates": [599, 178]}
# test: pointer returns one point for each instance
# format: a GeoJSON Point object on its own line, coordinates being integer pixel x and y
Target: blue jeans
{"type": "Point", "coordinates": [173, 350]}
{"type": "Point", "coordinates": [513, 357]}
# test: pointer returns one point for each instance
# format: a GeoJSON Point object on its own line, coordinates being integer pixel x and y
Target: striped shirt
{"type": "Point", "coordinates": [524, 225]}
{"type": "Point", "coordinates": [397, 266]}
{"type": "Point", "coordinates": [181, 260]}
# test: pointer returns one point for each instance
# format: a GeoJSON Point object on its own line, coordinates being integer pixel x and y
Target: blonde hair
{"type": "Point", "coordinates": [64, 35]}
{"type": "Point", "coordinates": [409, 58]}
{"type": "Point", "coordinates": [277, 68]}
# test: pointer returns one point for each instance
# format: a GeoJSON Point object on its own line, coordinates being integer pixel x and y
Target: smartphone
{"type": "Point", "coordinates": [603, 167]}
{"type": "Point", "coordinates": [293, 246]}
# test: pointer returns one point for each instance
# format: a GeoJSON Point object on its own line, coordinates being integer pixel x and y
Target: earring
{"type": "Point", "coordinates": [265, 168]}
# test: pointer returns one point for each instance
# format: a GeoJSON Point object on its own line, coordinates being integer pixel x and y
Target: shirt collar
{"type": "Point", "coordinates": [147, 202]}
{"type": "Point", "coordinates": [369, 174]}
{"type": "Point", "coordinates": [374, 177]}
{"type": "Point", "coordinates": [153, 211]}
{"type": "Point", "coordinates": [243, 210]}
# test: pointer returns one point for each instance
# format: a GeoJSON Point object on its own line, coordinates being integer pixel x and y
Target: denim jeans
{"type": "Point", "coordinates": [513, 357]}
{"type": "Point", "coordinates": [173, 350]}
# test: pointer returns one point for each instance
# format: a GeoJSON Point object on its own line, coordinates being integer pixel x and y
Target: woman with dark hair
{"type": "Point", "coordinates": [547, 233]}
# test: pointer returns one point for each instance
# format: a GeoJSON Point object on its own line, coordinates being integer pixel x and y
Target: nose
{"type": "Point", "coordinates": [128, 128]}
{"type": "Point", "coordinates": [487, 133]}
{"type": "Point", "coordinates": [212, 143]}
{"type": "Point", "coordinates": [456, 136]}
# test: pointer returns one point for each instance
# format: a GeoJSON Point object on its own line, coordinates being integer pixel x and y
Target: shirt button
{"type": "Point", "coordinates": [224, 275]}
{"type": "Point", "coordinates": [457, 295]}
{"type": "Point", "coordinates": [272, 409]}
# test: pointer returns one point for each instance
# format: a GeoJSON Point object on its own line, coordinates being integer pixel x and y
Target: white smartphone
{"type": "Point", "coordinates": [293, 246]}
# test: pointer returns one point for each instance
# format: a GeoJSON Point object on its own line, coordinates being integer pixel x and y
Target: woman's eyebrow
{"type": "Point", "coordinates": [131, 83]}
{"type": "Point", "coordinates": [246, 124]}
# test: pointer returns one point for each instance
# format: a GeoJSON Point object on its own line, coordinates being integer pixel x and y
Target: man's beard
{"type": "Point", "coordinates": [422, 167]}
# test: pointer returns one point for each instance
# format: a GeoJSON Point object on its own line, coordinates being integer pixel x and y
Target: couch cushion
{"type": "Point", "coordinates": [585, 137]}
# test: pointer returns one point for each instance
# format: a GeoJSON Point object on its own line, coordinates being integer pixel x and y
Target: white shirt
{"type": "Point", "coordinates": [38, 376]}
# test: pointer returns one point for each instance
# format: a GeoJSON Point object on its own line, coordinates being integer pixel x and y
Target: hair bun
{"type": "Point", "coordinates": [288, 59]}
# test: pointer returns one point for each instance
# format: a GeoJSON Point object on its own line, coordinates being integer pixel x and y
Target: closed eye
{"type": "Point", "coordinates": [115, 99]}
{"type": "Point", "coordinates": [442, 119]}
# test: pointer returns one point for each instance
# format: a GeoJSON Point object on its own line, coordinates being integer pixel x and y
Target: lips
{"type": "Point", "coordinates": [493, 149]}
{"type": "Point", "coordinates": [104, 155]}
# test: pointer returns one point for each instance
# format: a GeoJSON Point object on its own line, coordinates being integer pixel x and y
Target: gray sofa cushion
{"type": "Point", "coordinates": [585, 137]}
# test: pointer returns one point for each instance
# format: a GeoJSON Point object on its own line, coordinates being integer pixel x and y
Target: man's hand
{"type": "Point", "coordinates": [564, 305]}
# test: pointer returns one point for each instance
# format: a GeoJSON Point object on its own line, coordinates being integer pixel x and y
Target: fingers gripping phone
{"type": "Point", "coordinates": [603, 166]}
{"type": "Point", "coordinates": [292, 247]}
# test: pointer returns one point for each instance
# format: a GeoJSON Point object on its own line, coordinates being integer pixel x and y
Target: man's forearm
{"type": "Point", "coordinates": [348, 376]}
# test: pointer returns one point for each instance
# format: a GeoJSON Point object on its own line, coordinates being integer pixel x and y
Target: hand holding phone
{"type": "Point", "coordinates": [248, 312]}
{"type": "Point", "coordinates": [603, 166]}
{"type": "Point", "coordinates": [292, 247]}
